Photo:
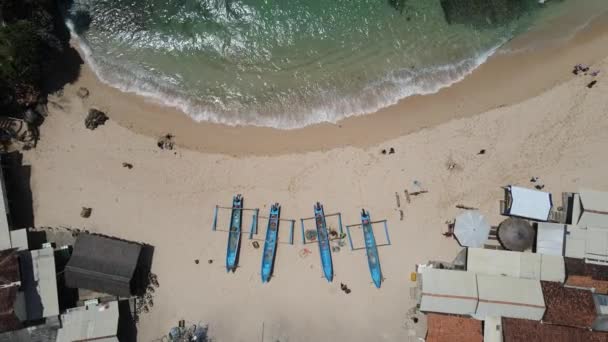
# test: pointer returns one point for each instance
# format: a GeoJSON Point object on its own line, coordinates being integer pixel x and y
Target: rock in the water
{"type": "Point", "coordinates": [83, 92]}
{"type": "Point", "coordinates": [166, 142]}
{"type": "Point", "coordinates": [484, 12]}
{"type": "Point", "coordinates": [86, 212]}
{"type": "Point", "coordinates": [95, 118]}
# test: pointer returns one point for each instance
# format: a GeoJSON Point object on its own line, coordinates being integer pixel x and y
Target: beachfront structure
{"type": "Point", "coordinates": [103, 264]}
{"type": "Point", "coordinates": [38, 296]}
{"type": "Point", "coordinates": [550, 238]}
{"type": "Point", "coordinates": [448, 291]}
{"type": "Point", "coordinates": [509, 297]}
{"type": "Point", "coordinates": [590, 209]}
{"type": "Point", "coordinates": [590, 244]}
{"type": "Point", "coordinates": [492, 329]}
{"type": "Point", "coordinates": [516, 264]}
{"type": "Point", "coordinates": [526, 203]}
{"type": "Point", "coordinates": [96, 322]}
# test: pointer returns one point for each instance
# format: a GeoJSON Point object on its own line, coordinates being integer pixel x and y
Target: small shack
{"type": "Point", "coordinates": [103, 264]}
{"type": "Point", "coordinates": [448, 291]}
{"type": "Point", "coordinates": [590, 209]}
{"type": "Point", "coordinates": [526, 203]}
{"type": "Point", "coordinates": [516, 264]}
{"type": "Point", "coordinates": [509, 297]}
{"type": "Point", "coordinates": [97, 322]}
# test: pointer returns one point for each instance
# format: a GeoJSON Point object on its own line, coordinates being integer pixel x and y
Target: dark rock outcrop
{"type": "Point", "coordinates": [484, 12]}
{"type": "Point", "coordinates": [95, 118]}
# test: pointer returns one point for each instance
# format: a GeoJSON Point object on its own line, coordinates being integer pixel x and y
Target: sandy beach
{"type": "Point", "coordinates": [528, 112]}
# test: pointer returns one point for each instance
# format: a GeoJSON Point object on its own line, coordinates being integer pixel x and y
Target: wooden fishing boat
{"type": "Point", "coordinates": [371, 249]}
{"type": "Point", "coordinates": [234, 233]}
{"type": "Point", "coordinates": [270, 245]}
{"type": "Point", "coordinates": [323, 241]}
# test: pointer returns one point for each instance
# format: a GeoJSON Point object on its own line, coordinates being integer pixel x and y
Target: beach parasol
{"type": "Point", "coordinates": [471, 229]}
{"type": "Point", "coordinates": [516, 234]}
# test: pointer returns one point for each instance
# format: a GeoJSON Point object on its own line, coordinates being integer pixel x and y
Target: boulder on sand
{"type": "Point", "coordinates": [95, 118]}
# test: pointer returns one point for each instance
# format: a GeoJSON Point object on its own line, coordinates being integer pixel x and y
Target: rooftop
{"type": "Point", "coordinates": [516, 330]}
{"type": "Point", "coordinates": [94, 322]}
{"type": "Point", "coordinates": [39, 283]}
{"type": "Point", "coordinates": [443, 328]}
{"type": "Point", "coordinates": [599, 286]}
{"type": "Point", "coordinates": [102, 264]}
{"type": "Point", "coordinates": [568, 306]}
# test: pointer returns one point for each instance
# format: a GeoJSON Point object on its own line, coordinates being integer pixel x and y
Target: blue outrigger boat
{"type": "Point", "coordinates": [270, 245]}
{"type": "Point", "coordinates": [323, 240]}
{"type": "Point", "coordinates": [234, 233]}
{"type": "Point", "coordinates": [371, 249]}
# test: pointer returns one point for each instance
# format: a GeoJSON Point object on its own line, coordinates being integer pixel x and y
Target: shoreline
{"type": "Point", "coordinates": [504, 79]}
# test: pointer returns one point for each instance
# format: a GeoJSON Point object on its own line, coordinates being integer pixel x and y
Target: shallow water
{"type": "Point", "coordinates": [290, 63]}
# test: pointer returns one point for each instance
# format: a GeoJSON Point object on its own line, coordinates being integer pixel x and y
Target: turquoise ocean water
{"type": "Point", "coordinates": [290, 63]}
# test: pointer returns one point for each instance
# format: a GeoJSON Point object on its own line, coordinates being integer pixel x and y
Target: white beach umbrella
{"type": "Point", "coordinates": [471, 229]}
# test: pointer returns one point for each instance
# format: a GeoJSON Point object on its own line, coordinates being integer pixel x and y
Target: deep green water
{"type": "Point", "coordinates": [285, 63]}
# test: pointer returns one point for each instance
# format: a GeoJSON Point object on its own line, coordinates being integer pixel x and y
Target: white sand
{"type": "Point", "coordinates": [167, 200]}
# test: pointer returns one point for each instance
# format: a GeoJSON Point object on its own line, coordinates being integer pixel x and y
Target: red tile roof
{"type": "Point", "coordinates": [444, 328]}
{"type": "Point", "coordinates": [568, 306]}
{"type": "Point", "coordinates": [600, 286]}
{"type": "Point", "coordinates": [523, 330]}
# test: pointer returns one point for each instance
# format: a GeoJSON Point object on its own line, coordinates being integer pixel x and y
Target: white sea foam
{"type": "Point", "coordinates": [333, 108]}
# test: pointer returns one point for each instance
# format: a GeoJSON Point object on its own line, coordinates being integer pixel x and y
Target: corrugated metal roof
{"type": "Point", "coordinates": [529, 203]}
{"type": "Point", "coordinates": [39, 283]}
{"type": "Point", "coordinates": [102, 264]}
{"type": "Point", "coordinates": [594, 209]}
{"type": "Point", "coordinates": [516, 264]}
{"type": "Point", "coordinates": [509, 297]}
{"type": "Point", "coordinates": [94, 322]}
{"type": "Point", "coordinates": [550, 238]}
{"type": "Point", "coordinates": [5, 237]}
{"type": "Point", "coordinates": [448, 291]}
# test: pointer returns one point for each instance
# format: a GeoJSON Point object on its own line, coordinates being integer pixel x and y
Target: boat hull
{"type": "Point", "coordinates": [323, 241]}
{"type": "Point", "coordinates": [234, 234]}
{"type": "Point", "coordinates": [270, 245]}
